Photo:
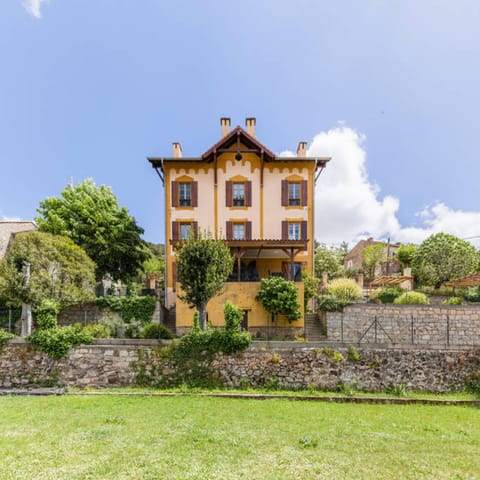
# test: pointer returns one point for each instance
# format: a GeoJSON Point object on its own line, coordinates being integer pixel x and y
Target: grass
{"type": "Point", "coordinates": [191, 437]}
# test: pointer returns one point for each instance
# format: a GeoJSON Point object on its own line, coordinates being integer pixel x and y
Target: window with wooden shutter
{"type": "Point", "coordinates": [175, 231]}
{"type": "Point", "coordinates": [229, 231]}
{"type": "Point", "coordinates": [284, 230]}
{"type": "Point", "coordinates": [228, 193]}
{"type": "Point", "coordinates": [175, 201]}
{"type": "Point", "coordinates": [284, 193]}
{"type": "Point", "coordinates": [304, 193]}
{"type": "Point", "coordinates": [248, 230]}
{"type": "Point", "coordinates": [174, 275]}
{"type": "Point", "coordinates": [248, 194]}
{"type": "Point", "coordinates": [195, 229]}
{"type": "Point", "coordinates": [194, 194]}
{"type": "Point", "coordinates": [304, 232]}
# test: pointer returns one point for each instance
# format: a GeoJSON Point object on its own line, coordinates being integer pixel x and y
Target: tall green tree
{"type": "Point", "coordinates": [328, 260]}
{"type": "Point", "coordinates": [91, 217]}
{"type": "Point", "coordinates": [443, 257]}
{"type": "Point", "coordinates": [405, 254]}
{"type": "Point", "coordinates": [278, 295]}
{"type": "Point", "coordinates": [42, 266]}
{"type": "Point", "coordinates": [203, 266]}
{"type": "Point", "coordinates": [371, 257]}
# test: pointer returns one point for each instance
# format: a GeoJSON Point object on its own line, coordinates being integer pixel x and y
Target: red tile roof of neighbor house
{"type": "Point", "coordinates": [390, 281]}
{"type": "Point", "coordinates": [467, 281]}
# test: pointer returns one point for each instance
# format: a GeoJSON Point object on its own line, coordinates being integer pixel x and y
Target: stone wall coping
{"type": "Point", "coordinates": [468, 306]}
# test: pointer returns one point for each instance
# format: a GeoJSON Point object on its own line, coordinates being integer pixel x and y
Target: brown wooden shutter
{"type": "Point", "coordinates": [194, 194]}
{"type": "Point", "coordinates": [304, 193]}
{"type": "Point", "coordinates": [175, 201]}
{"type": "Point", "coordinates": [195, 230]}
{"type": "Point", "coordinates": [175, 230]}
{"type": "Point", "coordinates": [229, 231]}
{"type": "Point", "coordinates": [284, 230]}
{"type": "Point", "coordinates": [248, 194]}
{"type": "Point", "coordinates": [228, 194]}
{"type": "Point", "coordinates": [248, 230]}
{"type": "Point", "coordinates": [304, 230]}
{"type": "Point", "coordinates": [284, 193]}
{"type": "Point", "coordinates": [174, 274]}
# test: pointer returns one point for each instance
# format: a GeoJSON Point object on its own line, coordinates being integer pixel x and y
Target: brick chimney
{"type": "Point", "coordinates": [302, 149]}
{"type": "Point", "coordinates": [225, 124]}
{"type": "Point", "coordinates": [250, 123]}
{"type": "Point", "coordinates": [177, 150]}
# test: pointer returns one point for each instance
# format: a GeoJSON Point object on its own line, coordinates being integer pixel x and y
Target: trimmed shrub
{"type": "Point", "coordinates": [46, 313]}
{"type": "Point", "coordinates": [345, 289]}
{"type": "Point", "coordinates": [411, 298]}
{"type": "Point", "coordinates": [328, 303]}
{"type": "Point", "coordinates": [5, 337]}
{"type": "Point", "coordinates": [156, 330]}
{"type": "Point", "coordinates": [453, 301]}
{"type": "Point", "coordinates": [389, 294]}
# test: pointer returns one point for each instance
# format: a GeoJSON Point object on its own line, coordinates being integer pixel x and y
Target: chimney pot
{"type": "Point", "coordinates": [302, 149]}
{"type": "Point", "coordinates": [250, 123]}
{"type": "Point", "coordinates": [177, 150]}
{"type": "Point", "coordinates": [225, 124]}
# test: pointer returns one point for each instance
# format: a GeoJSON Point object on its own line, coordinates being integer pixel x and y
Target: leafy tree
{"type": "Point", "coordinates": [59, 270]}
{"type": "Point", "coordinates": [92, 218]}
{"type": "Point", "coordinates": [443, 257]}
{"type": "Point", "coordinates": [406, 253]}
{"type": "Point", "coordinates": [310, 289]}
{"type": "Point", "coordinates": [278, 295]}
{"type": "Point", "coordinates": [203, 266]}
{"type": "Point", "coordinates": [371, 257]}
{"type": "Point", "coordinates": [328, 260]}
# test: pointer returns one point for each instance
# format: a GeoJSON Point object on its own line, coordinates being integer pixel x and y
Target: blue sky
{"type": "Point", "coordinates": [390, 89]}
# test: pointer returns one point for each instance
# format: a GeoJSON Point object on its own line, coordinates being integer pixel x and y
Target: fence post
{"type": "Point", "coordinates": [411, 330]}
{"type": "Point", "coordinates": [341, 327]}
{"type": "Point", "coordinates": [10, 320]}
{"type": "Point", "coordinates": [375, 326]}
{"type": "Point", "coordinates": [84, 318]}
{"type": "Point", "coordinates": [448, 330]}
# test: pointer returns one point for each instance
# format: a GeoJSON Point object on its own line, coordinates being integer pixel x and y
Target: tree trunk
{"type": "Point", "coordinates": [26, 319]}
{"type": "Point", "coordinates": [202, 311]}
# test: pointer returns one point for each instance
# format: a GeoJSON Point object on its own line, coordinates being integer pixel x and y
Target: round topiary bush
{"type": "Point", "coordinates": [345, 289]}
{"type": "Point", "coordinates": [411, 298]}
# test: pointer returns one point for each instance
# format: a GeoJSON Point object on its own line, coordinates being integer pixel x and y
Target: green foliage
{"type": "Point", "coordinates": [5, 337]}
{"type": "Point", "coordinates": [57, 341]}
{"type": "Point", "coordinates": [97, 330]}
{"type": "Point", "coordinates": [328, 303]}
{"type": "Point", "coordinates": [156, 330]}
{"type": "Point", "coordinates": [411, 298]}
{"type": "Point", "coordinates": [345, 289]}
{"type": "Point", "coordinates": [472, 294]}
{"type": "Point", "coordinates": [405, 253]}
{"type": "Point", "coordinates": [113, 324]}
{"type": "Point", "coordinates": [353, 354]}
{"type": "Point", "coordinates": [278, 295]}
{"type": "Point", "coordinates": [47, 313]}
{"type": "Point", "coordinates": [233, 316]}
{"type": "Point", "coordinates": [472, 384]}
{"type": "Point", "coordinates": [203, 266]}
{"type": "Point", "coordinates": [371, 257]}
{"type": "Point", "coordinates": [310, 289]}
{"type": "Point", "coordinates": [130, 308]}
{"type": "Point", "coordinates": [92, 218]}
{"type": "Point", "coordinates": [443, 257]}
{"type": "Point", "coordinates": [397, 390]}
{"type": "Point", "coordinates": [335, 356]}
{"type": "Point", "coordinates": [59, 270]}
{"type": "Point", "coordinates": [389, 294]}
{"type": "Point", "coordinates": [453, 301]}
{"type": "Point", "coordinates": [328, 260]}
{"type": "Point", "coordinates": [189, 359]}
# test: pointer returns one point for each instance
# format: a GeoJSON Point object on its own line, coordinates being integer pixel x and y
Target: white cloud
{"type": "Point", "coordinates": [349, 207]}
{"type": "Point", "coordinates": [33, 7]}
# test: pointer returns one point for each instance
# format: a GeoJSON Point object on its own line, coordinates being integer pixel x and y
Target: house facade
{"type": "Point", "coordinates": [354, 259]}
{"type": "Point", "coordinates": [260, 204]}
{"type": "Point", "coordinates": [8, 229]}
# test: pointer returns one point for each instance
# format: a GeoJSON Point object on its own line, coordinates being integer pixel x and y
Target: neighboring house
{"type": "Point", "coordinates": [8, 229]}
{"type": "Point", "coordinates": [354, 260]}
{"type": "Point", "coordinates": [262, 205]}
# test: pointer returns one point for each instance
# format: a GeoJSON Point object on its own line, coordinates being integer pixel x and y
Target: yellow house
{"type": "Point", "coordinates": [260, 204]}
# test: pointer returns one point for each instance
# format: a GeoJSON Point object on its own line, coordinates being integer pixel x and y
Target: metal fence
{"type": "Point", "coordinates": [9, 317]}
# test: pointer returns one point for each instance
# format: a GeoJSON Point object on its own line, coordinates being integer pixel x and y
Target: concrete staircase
{"type": "Point", "coordinates": [315, 327]}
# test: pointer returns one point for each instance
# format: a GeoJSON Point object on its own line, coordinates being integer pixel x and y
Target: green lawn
{"type": "Point", "coordinates": [191, 437]}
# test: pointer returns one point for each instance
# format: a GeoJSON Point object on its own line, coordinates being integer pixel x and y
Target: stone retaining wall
{"type": "Point", "coordinates": [406, 324]}
{"type": "Point", "coordinates": [115, 363]}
